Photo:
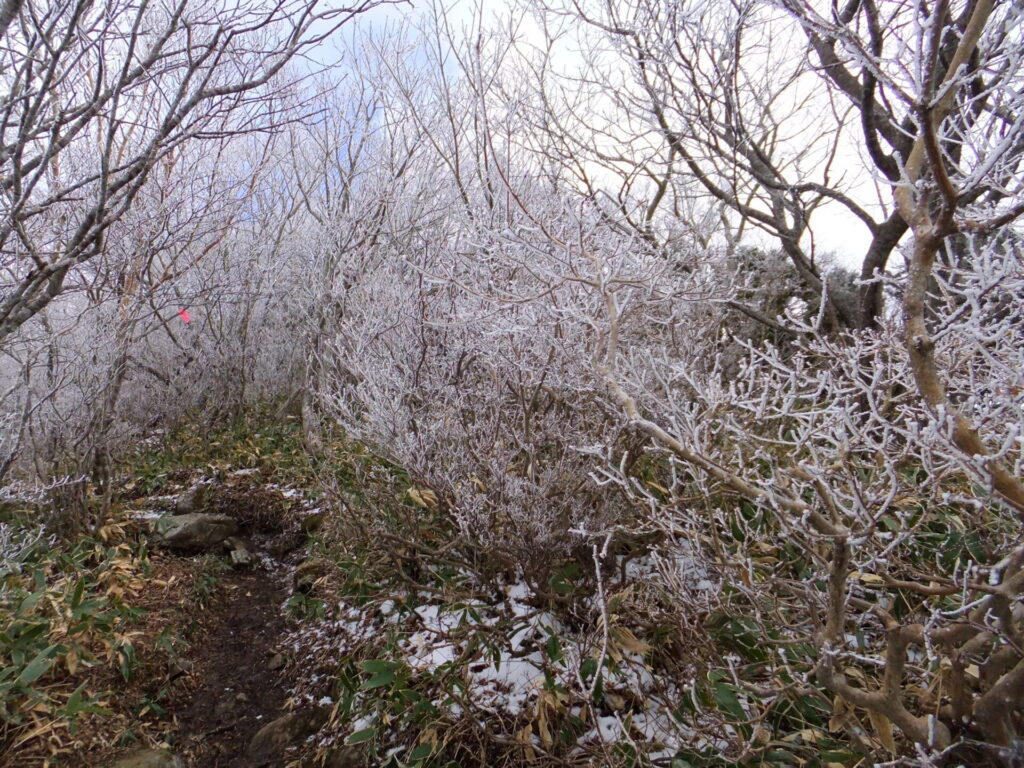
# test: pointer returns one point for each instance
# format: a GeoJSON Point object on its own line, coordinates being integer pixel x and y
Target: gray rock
{"type": "Point", "coordinates": [240, 554]}
{"type": "Point", "coordinates": [149, 758]}
{"type": "Point", "coordinates": [192, 500]}
{"type": "Point", "coordinates": [241, 558]}
{"type": "Point", "coordinates": [349, 756]}
{"type": "Point", "coordinates": [195, 532]}
{"type": "Point", "coordinates": [234, 542]}
{"type": "Point", "coordinates": [346, 757]}
{"type": "Point", "coordinates": [272, 739]}
{"type": "Point", "coordinates": [276, 662]}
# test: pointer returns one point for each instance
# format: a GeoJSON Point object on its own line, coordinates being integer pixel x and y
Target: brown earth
{"type": "Point", "coordinates": [231, 691]}
{"type": "Point", "coordinates": [201, 682]}
{"type": "Point", "coordinates": [217, 696]}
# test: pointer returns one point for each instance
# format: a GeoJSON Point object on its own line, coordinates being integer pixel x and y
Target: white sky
{"type": "Point", "coordinates": [835, 230]}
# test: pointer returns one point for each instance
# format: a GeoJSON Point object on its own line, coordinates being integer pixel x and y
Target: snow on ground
{"type": "Point", "coordinates": [503, 679]}
{"type": "Point", "coordinates": [506, 680]}
{"type": "Point", "coordinates": [286, 491]}
{"type": "Point", "coordinates": [244, 472]}
{"type": "Point", "coordinates": [148, 514]}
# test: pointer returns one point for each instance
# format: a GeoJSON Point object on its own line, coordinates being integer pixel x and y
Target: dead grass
{"type": "Point", "coordinates": [160, 587]}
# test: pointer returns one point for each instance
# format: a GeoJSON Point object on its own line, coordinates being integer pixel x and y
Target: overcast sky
{"type": "Point", "coordinates": [835, 230]}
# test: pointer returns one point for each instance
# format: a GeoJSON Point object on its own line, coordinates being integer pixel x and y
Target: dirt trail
{"type": "Point", "coordinates": [232, 692]}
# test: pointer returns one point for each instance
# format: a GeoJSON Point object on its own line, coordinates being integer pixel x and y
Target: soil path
{"type": "Point", "coordinates": [232, 692]}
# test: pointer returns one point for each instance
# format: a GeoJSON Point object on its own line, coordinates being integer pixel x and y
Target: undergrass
{"type": "Point", "coordinates": [91, 626]}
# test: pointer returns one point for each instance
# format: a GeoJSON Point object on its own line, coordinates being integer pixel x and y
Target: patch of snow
{"type": "Point", "coordinates": [362, 722]}
{"type": "Point", "coordinates": [609, 728]}
{"type": "Point", "coordinates": [287, 492]}
{"type": "Point", "coordinates": [518, 592]}
{"type": "Point", "coordinates": [164, 499]}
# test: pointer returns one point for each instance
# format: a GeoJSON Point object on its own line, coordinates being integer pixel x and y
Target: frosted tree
{"type": "Point", "coordinates": [538, 347]}
{"type": "Point", "coordinates": [98, 96]}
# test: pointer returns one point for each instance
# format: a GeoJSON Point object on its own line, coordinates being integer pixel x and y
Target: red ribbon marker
{"type": "Point", "coordinates": [185, 316]}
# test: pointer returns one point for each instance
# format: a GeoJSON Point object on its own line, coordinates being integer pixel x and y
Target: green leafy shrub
{"type": "Point", "coordinates": [64, 607]}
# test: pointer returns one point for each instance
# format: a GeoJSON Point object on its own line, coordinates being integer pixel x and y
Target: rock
{"type": "Point", "coordinates": [276, 662]}
{"type": "Point", "coordinates": [149, 758]}
{"type": "Point", "coordinates": [241, 558]}
{"type": "Point", "coordinates": [349, 756]}
{"type": "Point", "coordinates": [195, 532]}
{"type": "Point", "coordinates": [345, 757]}
{"type": "Point", "coordinates": [247, 472]}
{"type": "Point", "coordinates": [234, 542]}
{"type": "Point", "coordinates": [192, 500]}
{"type": "Point", "coordinates": [306, 574]}
{"type": "Point", "coordinates": [272, 739]}
{"type": "Point", "coordinates": [240, 554]}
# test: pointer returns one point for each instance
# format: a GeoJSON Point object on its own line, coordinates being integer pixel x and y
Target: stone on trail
{"type": "Point", "coordinates": [149, 758]}
{"type": "Point", "coordinates": [241, 558]}
{"type": "Point", "coordinates": [235, 542]}
{"type": "Point", "coordinates": [240, 554]}
{"type": "Point", "coordinates": [192, 500]}
{"type": "Point", "coordinates": [339, 757]}
{"type": "Point", "coordinates": [273, 738]}
{"type": "Point", "coordinates": [196, 532]}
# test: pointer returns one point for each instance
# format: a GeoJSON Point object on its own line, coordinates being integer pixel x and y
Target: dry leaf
{"type": "Point", "coordinates": [840, 714]}
{"type": "Point", "coordinates": [423, 497]}
{"type": "Point", "coordinates": [524, 737]}
{"type": "Point", "coordinates": [882, 726]}
{"type": "Point", "coordinates": [627, 641]}
{"type": "Point", "coordinates": [868, 578]}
